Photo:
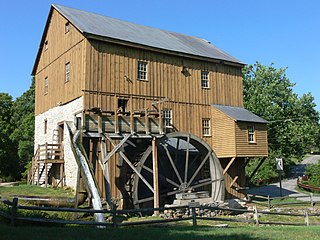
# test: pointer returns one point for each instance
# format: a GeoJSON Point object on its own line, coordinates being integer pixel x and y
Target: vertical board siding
{"type": "Point", "coordinates": [62, 48]}
{"type": "Point", "coordinates": [234, 171]}
{"type": "Point", "coordinates": [116, 72]}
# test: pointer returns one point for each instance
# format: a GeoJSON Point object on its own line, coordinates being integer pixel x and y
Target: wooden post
{"type": "Point", "coordinates": [306, 218]}
{"type": "Point", "coordinates": [116, 122]}
{"type": "Point", "coordinates": [99, 123]}
{"type": "Point", "coordinates": [114, 215]}
{"type": "Point", "coordinates": [46, 173]}
{"type": "Point", "coordinates": [38, 174]}
{"type": "Point", "coordinates": [155, 175]}
{"type": "Point", "coordinates": [311, 199]}
{"type": "Point", "coordinates": [194, 216]}
{"type": "Point", "coordinates": [14, 209]}
{"type": "Point", "coordinates": [146, 117]}
{"type": "Point", "coordinates": [256, 215]}
{"type": "Point", "coordinates": [269, 205]}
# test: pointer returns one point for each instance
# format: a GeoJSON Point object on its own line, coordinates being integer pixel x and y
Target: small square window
{"type": "Point", "coordinates": [204, 79]}
{"type": "Point", "coordinates": [251, 134]}
{"type": "Point", "coordinates": [142, 71]}
{"type": "Point", "coordinates": [67, 27]}
{"type": "Point", "coordinates": [67, 67]}
{"type": "Point", "coordinates": [206, 127]}
{"type": "Point", "coordinates": [46, 85]}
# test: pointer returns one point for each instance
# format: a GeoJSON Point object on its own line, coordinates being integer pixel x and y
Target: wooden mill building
{"type": "Point", "coordinates": [158, 112]}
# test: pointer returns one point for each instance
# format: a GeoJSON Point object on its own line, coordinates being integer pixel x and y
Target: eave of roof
{"type": "Point", "coordinates": [240, 114]}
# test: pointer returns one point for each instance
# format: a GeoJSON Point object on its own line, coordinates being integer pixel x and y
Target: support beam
{"type": "Point", "coordinates": [233, 181]}
{"type": "Point", "coordinates": [106, 173]}
{"type": "Point", "coordinates": [124, 157]}
{"type": "Point", "coordinates": [155, 175]}
{"type": "Point", "coordinates": [257, 168]}
{"type": "Point", "coordinates": [116, 148]}
{"type": "Point", "coordinates": [229, 165]}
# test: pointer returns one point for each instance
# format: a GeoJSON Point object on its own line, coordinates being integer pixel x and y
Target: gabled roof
{"type": "Point", "coordinates": [240, 114]}
{"type": "Point", "coordinates": [91, 25]}
{"type": "Point", "coordinates": [113, 28]}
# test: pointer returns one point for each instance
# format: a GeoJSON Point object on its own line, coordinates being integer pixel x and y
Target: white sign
{"type": "Point", "coordinates": [279, 164]}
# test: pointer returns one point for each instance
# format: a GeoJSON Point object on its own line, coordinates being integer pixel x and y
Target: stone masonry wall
{"type": "Point", "coordinates": [63, 113]}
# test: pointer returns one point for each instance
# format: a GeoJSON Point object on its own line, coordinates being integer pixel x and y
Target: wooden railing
{"type": "Point", "coordinates": [139, 114]}
{"type": "Point", "coordinates": [46, 154]}
{"type": "Point", "coordinates": [193, 210]}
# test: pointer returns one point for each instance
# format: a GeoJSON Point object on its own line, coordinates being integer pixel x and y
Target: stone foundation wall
{"type": "Point", "coordinates": [51, 118]}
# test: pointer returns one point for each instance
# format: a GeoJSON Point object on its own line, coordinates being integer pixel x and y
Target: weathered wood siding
{"type": "Point", "coordinates": [112, 68]}
{"type": "Point", "coordinates": [235, 171]}
{"type": "Point", "coordinates": [246, 149]}
{"type": "Point", "coordinates": [224, 137]}
{"type": "Point", "coordinates": [62, 48]}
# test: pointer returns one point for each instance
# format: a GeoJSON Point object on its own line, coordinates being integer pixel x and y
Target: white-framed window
{"type": "Point", "coordinates": [46, 85]}
{"type": "Point", "coordinates": [206, 131]}
{"type": "Point", "coordinates": [46, 46]}
{"type": "Point", "coordinates": [67, 68]}
{"type": "Point", "coordinates": [167, 118]}
{"type": "Point", "coordinates": [67, 27]}
{"type": "Point", "coordinates": [251, 134]}
{"type": "Point", "coordinates": [204, 79]}
{"type": "Point", "coordinates": [142, 70]}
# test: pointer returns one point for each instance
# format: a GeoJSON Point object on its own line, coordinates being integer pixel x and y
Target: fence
{"type": "Point", "coordinates": [267, 200]}
{"type": "Point", "coordinates": [115, 215]}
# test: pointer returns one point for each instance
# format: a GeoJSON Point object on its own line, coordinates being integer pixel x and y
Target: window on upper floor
{"type": "Point", "coordinates": [167, 118]}
{"type": "Point", "coordinates": [67, 27]}
{"type": "Point", "coordinates": [206, 130]}
{"type": "Point", "coordinates": [251, 134]}
{"type": "Point", "coordinates": [142, 70]}
{"type": "Point", "coordinates": [67, 72]}
{"type": "Point", "coordinates": [204, 79]}
{"type": "Point", "coordinates": [46, 85]}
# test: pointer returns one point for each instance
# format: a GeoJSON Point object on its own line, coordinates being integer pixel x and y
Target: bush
{"type": "Point", "coordinates": [313, 173]}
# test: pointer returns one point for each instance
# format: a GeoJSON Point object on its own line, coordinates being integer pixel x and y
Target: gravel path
{"type": "Point", "coordinates": [288, 185]}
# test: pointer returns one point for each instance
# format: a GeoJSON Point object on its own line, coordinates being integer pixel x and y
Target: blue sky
{"type": "Point", "coordinates": [283, 32]}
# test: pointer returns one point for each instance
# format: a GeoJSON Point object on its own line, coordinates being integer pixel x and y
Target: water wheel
{"type": "Point", "coordinates": [185, 164]}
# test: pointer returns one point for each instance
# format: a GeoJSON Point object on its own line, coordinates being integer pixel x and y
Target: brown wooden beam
{"type": "Point", "coordinates": [229, 165]}
{"type": "Point", "coordinates": [155, 175]}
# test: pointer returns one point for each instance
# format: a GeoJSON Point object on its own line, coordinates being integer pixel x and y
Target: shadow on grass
{"type": "Point", "coordinates": [132, 233]}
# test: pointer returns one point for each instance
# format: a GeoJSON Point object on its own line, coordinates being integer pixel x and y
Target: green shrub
{"type": "Point", "coordinates": [313, 172]}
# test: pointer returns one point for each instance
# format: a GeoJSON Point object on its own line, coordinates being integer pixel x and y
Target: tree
{"type": "Point", "coordinates": [23, 122]}
{"type": "Point", "coordinates": [8, 157]}
{"type": "Point", "coordinates": [293, 122]}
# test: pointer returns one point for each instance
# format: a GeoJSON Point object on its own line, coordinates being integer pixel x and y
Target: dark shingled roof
{"type": "Point", "coordinates": [240, 114]}
{"type": "Point", "coordinates": [98, 25]}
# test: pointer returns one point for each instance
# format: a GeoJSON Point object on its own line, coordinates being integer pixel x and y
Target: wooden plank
{"type": "Point", "coordinates": [229, 165]}
{"type": "Point", "coordinates": [155, 175]}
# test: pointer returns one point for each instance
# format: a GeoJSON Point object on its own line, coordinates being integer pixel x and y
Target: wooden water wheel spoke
{"type": "Point", "coordinates": [172, 163]}
{"type": "Point", "coordinates": [198, 169]}
{"type": "Point", "coordinates": [144, 200]}
{"type": "Point", "coordinates": [186, 163]}
{"type": "Point", "coordinates": [161, 176]}
{"type": "Point", "coordinates": [206, 182]}
{"type": "Point", "coordinates": [187, 160]}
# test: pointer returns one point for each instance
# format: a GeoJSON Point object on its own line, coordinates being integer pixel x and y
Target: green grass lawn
{"type": "Point", "coordinates": [161, 232]}
{"type": "Point", "coordinates": [33, 190]}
